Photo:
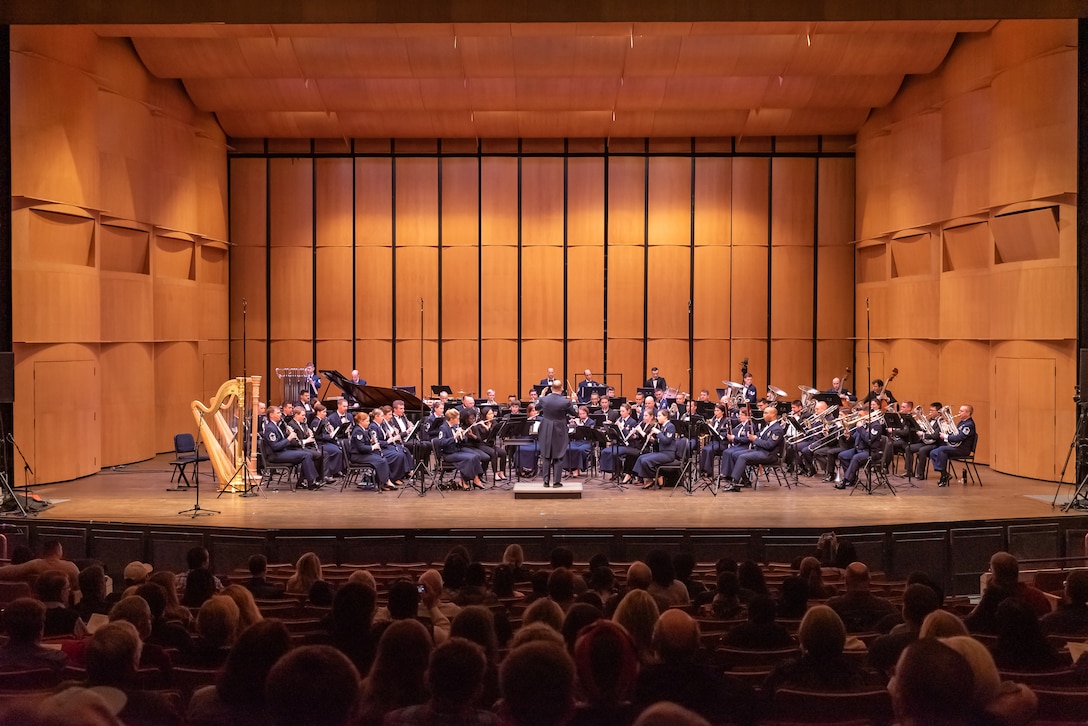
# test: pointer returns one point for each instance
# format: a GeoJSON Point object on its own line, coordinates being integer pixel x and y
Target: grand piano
{"type": "Point", "coordinates": [369, 397]}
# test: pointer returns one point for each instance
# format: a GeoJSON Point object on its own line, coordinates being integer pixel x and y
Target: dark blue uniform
{"type": "Point", "coordinates": [714, 446]}
{"type": "Point", "coordinates": [466, 461]}
{"type": "Point", "coordinates": [958, 445]}
{"type": "Point", "coordinates": [611, 454]}
{"type": "Point", "coordinates": [284, 451]}
{"type": "Point", "coordinates": [666, 452]}
{"type": "Point", "coordinates": [333, 456]}
{"type": "Point", "coordinates": [864, 438]}
{"type": "Point", "coordinates": [363, 449]}
{"type": "Point", "coordinates": [766, 449]}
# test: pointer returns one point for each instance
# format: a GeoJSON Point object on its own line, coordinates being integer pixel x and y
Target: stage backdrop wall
{"type": "Point", "coordinates": [119, 254]}
{"type": "Point", "coordinates": [966, 212]}
{"type": "Point", "coordinates": [504, 257]}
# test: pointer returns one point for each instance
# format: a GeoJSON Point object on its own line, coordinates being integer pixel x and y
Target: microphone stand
{"type": "Point", "coordinates": [24, 506]}
{"type": "Point", "coordinates": [196, 509]}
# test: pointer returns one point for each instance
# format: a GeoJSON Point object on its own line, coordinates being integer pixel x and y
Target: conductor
{"type": "Point", "coordinates": [553, 438]}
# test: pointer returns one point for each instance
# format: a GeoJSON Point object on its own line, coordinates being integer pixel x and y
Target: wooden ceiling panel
{"type": "Point", "coordinates": [380, 57]}
{"type": "Point", "coordinates": [258, 94]}
{"type": "Point", "coordinates": [566, 94]}
{"type": "Point", "coordinates": [641, 93]}
{"type": "Point", "coordinates": [831, 91]}
{"type": "Point", "coordinates": [280, 125]}
{"type": "Point", "coordinates": [490, 56]}
{"type": "Point", "coordinates": [569, 56]}
{"type": "Point", "coordinates": [434, 57]}
{"type": "Point", "coordinates": [679, 124]}
{"type": "Point", "coordinates": [882, 53]}
{"type": "Point", "coordinates": [650, 55]}
{"type": "Point", "coordinates": [492, 94]}
{"type": "Point", "coordinates": [192, 57]}
{"type": "Point", "coordinates": [270, 57]}
{"type": "Point", "coordinates": [394, 94]}
{"type": "Point", "coordinates": [737, 54]}
{"type": "Point", "coordinates": [717, 92]}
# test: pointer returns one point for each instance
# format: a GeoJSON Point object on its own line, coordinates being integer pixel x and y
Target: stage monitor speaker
{"type": "Point", "coordinates": [7, 377]}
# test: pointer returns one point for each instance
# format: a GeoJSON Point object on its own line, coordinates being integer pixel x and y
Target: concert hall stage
{"type": "Point", "coordinates": [127, 513]}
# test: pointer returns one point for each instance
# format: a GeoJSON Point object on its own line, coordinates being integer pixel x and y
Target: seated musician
{"type": "Point", "coordinates": [867, 436]}
{"type": "Point", "coordinates": [646, 466]}
{"type": "Point", "coordinates": [549, 379]}
{"type": "Point", "coordinates": [704, 395]}
{"type": "Point", "coordinates": [957, 445]}
{"type": "Point", "coordinates": [737, 441]}
{"type": "Point", "coordinates": [399, 460]}
{"type": "Point", "coordinates": [429, 427]}
{"type": "Point", "coordinates": [484, 433]}
{"type": "Point", "coordinates": [325, 433]}
{"type": "Point", "coordinates": [816, 428]}
{"type": "Point", "coordinates": [840, 389]}
{"type": "Point", "coordinates": [793, 450]}
{"type": "Point", "coordinates": [414, 441]}
{"type": "Point", "coordinates": [579, 450]}
{"type": "Point", "coordinates": [879, 393]}
{"type": "Point", "coordinates": [917, 454]}
{"type": "Point", "coordinates": [586, 382]}
{"type": "Point", "coordinates": [363, 448]}
{"type": "Point", "coordinates": [594, 402]}
{"type": "Point", "coordinates": [838, 440]}
{"type": "Point", "coordinates": [304, 403]}
{"type": "Point", "coordinates": [899, 438]}
{"type": "Point", "coordinates": [614, 456]}
{"type": "Point", "coordinates": [692, 417]}
{"type": "Point", "coordinates": [766, 448]}
{"type": "Point", "coordinates": [467, 463]}
{"type": "Point", "coordinates": [610, 414]}
{"type": "Point", "coordinates": [468, 405]}
{"type": "Point", "coordinates": [340, 419]}
{"type": "Point", "coordinates": [306, 436]}
{"type": "Point", "coordinates": [284, 448]}
{"type": "Point", "coordinates": [716, 442]}
{"type": "Point", "coordinates": [473, 439]}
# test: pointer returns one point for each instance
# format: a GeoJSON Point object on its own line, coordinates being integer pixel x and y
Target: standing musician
{"type": "Point", "coordinates": [957, 445]}
{"type": "Point", "coordinates": [418, 447]}
{"type": "Point", "coordinates": [324, 433]}
{"type": "Point", "coordinates": [363, 448]}
{"type": "Point", "coordinates": [750, 393]}
{"type": "Point", "coordinates": [666, 453]}
{"type": "Point", "coordinates": [306, 437]}
{"type": "Point", "coordinates": [879, 393]}
{"type": "Point", "coordinates": [655, 381]}
{"type": "Point", "coordinates": [618, 453]}
{"type": "Point", "coordinates": [579, 451]}
{"type": "Point", "coordinates": [917, 454]}
{"type": "Point", "coordinates": [553, 439]}
{"type": "Point", "coordinates": [286, 449]}
{"type": "Point", "coordinates": [717, 442]}
{"type": "Point", "coordinates": [899, 439]}
{"type": "Point", "coordinates": [450, 436]}
{"type": "Point", "coordinates": [610, 414]}
{"type": "Point", "coordinates": [586, 382]}
{"type": "Point", "coordinates": [867, 436]}
{"type": "Point", "coordinates": [766, 448]}
{"type": "Point", "coordinates": [400, 461]}
{"type": "Point", "coordinates": [312, 381]}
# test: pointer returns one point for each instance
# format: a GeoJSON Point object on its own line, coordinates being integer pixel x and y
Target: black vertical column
{"type": "Point", "coordinates": [1082, 221]}
{"type": "Point", "coordinates": [7, 358]}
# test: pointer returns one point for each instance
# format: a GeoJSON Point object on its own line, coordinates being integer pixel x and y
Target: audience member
{"type": "Point", "coordinates": [544, 611]}
{"type": "Point", "coordinates": [1004, 583]}
{"type": "Point", "coordinates": [537, 681]}
{"type": "Point", "coordinates": [515, 557]}
{"type": "Point", "coordinates": [135, 574]}
{"type": "Point", "coordinates": [112, 655]}
{"type": "Point", "coordinates": [761, 632]}
{"type": "Point", "coordinates": [607, 668]}
{"type": "Point", "coordinates": [455, 679]}
{"type": "Point", "coordinates": [477, 624]}
{"type": "Point", "coordinates": [531, 632]}
{"type": "Point", "coordinates": [821, 666]}
{"type": "Point", "coordinates": [432, 581]}
{"type": "Point", "coordinates": [216, 629]}
{"type": "Point", "coordinates": [751, 580]}
{"type": "Point", "coordinates": [561, 587]}
{"type": "Point", "coordinates": [315, 685]}
{"type": "Point", "coordinates": [258, 582]}
{"type": "Point", "coordinates": [199, 587]}
{"type": "Point", "coordinates": [406, 602]}
{"type": "Point", "coordinates": [666, 589]}
{"type": "Point", "coordinates": [174, 610]}
{"type": "Point", "coordinates": [197, 558]}
{"type": "Point", "coordinates": [726, 603]}
{"type": "Point", "coordinates": [474, 590]}
{"type": "Point", "coordinates": [133, 609]}
{"type": "Point", "coordinates": [579, 616]}
{"type": "Point", "coordinates": [24, 622]}
{"type": "Point", "coordinates": [397, 677]}
{"type": "Point", "coordinates": [918, 602]}
{"type": "Point", "coordinates": [52, 559]}
{"type": "Point", "coordinates": [603, 582]}
{"type": "Point", "coordinates": [1071, 617]}
{"type": "Point", "coordinates": [812, 573]}
{"type": "Point", "coordinates": [638, 614]}
{"type": "Point", "coordinates": [166, 633]}
{"type": "Point", "coordinates": [860, 609]}
{"type": "Point", "coordinates": [503, 584]}
{"type": "Point", "coordinates": [92, 584]}
{"type": "Point", "coordinates": [928, 687]}
{"type": "Point", "coordinates": [683, 564]}
{"type": "Point", "coordinates": [238, 696]}
{"type": "Point", "coordinates": [669, 714]}
{"type": "Point", "coordinates": [307, 572]}
{"type": "Point", "coordinates": [349, 625]}
{"type": "Point", "coordinates": [792, 598]}
{"type": "Point", "coordinates": [320, 594]}
{"type": "Point", "coordinates": [1021, 644]}
{"type": "Point", "coordinates": [248, 613]}
{"type": "Point", "coordinates": [1011, 704]}
{"type": "Point", "coordinates": [60, 619]}
{"type": "Point", "coordinates": [682, 676]}
{"type": "Point", "coordinates": [941, 624]}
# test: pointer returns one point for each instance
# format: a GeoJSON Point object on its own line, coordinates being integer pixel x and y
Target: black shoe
{"type": "Point", "coordinates": [557, 485]}
{"type": "Point", "coordinates": [730, 488]}
{"type": "Point", "coordinates": [547, 483]}
{"type": "Point", "coordinates": [841, 485]}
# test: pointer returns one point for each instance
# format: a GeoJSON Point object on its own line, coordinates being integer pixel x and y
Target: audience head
{"type": "Point", "coordinates": [561, 557]}
{"type": "Point", "coordinates": [243, 678]}
{"type": "Point", "coordinates": [476, 623]}
{"type": "Point", "coordinates": [92, 582]}
{"type": "Point", "coordinates": [248, 613]}
{"type": "Point", "coordinates": [661, 570]}
{"type": "Point", "coordinates": [639, 576]}
{"type": "Point", "coordinates": [561, 585]}
{"type": "Point", "coordinates": [353, 608]}
{"type": "Point", "coordinates": [598, 560]}
{"type": "Point", "coordinates": [667, 713]}
{"type": "Point", "coordinates": [217, 621]}
{"type": "Point", "coordinates": [676, 636]}
{"type": "Point", "coordinates": [750, 577]}
{"type": "Point", "coordinates": [537, 681]}
{"type": "Point", "coordinates": [539, 582]}
{"type": "Point", "coordinates": [822, 634]}
{"type": "Point", "coordinates": [53, 586]}
{"type": "Point", "coordinates": [602, 579]}
{"type": "Point", "coordinates": [154, 597]}
{"type": "Point", "coordinates": [320, 594]}
{"type": "Point", "coordinates": [725, 564]}
{"type": "Point", "coordinates": [113, 654]}
{"type": "Point", "coordinates": [314, 684]}
{"type": "Point", "coordinates": [1016, 621]}
{"type": "Point", "coordinates": [922, 578]}
{"type": "Point", "coordinates": [196, 558]}
{"type": "Point", "coordinates": [728, 586]}
{"type": "Point", "coordinates": [532, 632]}
{"type": "Point", "coordinates": [857, 577]}
{"type": "Point", "coordinates": [1076, 587]}
{"type": "Point", "coordinates": [432, 580]}
{"type": "Point", "coordinates": [199, 586]}
{"type": "Point", "coordinates": [638, 613]}
{"type": "Point", "coordinates": [24, 620]}
{"type": "Point", "coordinates": [258, 565]}
{"type": "Point", "coordinates": [455, 674]}
{"type": "Point", "coordinates": [929, 683]}
{"type": "Point", "coordinates": [403, 600]}
{"type": "Point", "coordinates": [792, 597]}
{"type": "Point", "coordinates": [761, 610]}
{"type": "Point", "coordinates": [941, 624]}
{"type": "Point", "coordinates": [918, 602]}
{"type": "Point", "coordinates": [136, 572]}
{"type": "Point", "coordinates": [308, 569]}
{"type": "Point", "coordinates": [607, 662]}
{"type": "Point", "coordinates": [985, 679]}
{"type": "Point", "coordinates": [454, 570]}
{"type": "Point", "coordinates": [52, 548]}
{"type": "Point", "coordinates": [364, 577]}
{"type": "Point", "coordinates": [502, 581]}
{"type": "Point", "coordinates": [400, 662]}
{"type": "Point", "coordinates": [578, 617]}
{"type": "Point", "coordinates": [133, 610]}
{"type": "Point", "coordinates": [1005, 570]}
{"type": "Point", "coordinates": [683, 564]}
{"type": "Point", "coordinates": [545, 611]}
{"type": "Point", "coordinates": [810, 570]}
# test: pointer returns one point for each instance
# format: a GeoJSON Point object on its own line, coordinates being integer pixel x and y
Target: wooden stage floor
{"type": "Point", "coordinates": [136, 494]}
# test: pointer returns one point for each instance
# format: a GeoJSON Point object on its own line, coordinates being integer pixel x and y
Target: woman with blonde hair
{"type": "Point", "coordinates": [941, 624]}
{"type": "Point", "coordinates": [812, 573]}
{"type": "Point", "coordinates": [307, 572]}
{"type": "Point", "coordinates": [248, 613]}
{"type": "Point", "coordinates": [1011, 704]}
{"type": "Point", "coordinates": [638, 614]}
{"type": "Point", "coordinates": [515, 557]}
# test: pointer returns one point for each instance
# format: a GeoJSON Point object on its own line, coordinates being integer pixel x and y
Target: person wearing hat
{"type": "Point", "coordinates": [136, 573]}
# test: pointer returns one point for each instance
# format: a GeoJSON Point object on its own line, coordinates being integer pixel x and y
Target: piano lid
{"type": "Point", "coordinates": [374, 396]}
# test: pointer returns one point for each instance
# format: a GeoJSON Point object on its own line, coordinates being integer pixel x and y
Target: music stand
{"type": "Point", "coordinates": [417, 480]}
{"type": "Point", "coordinates": [514, 432]}
{"type": "Point", "coordinates": [595, 439]}
{"type": "Point", "coordinates": [831, 399]}
{"type": "Point", "coordinates": [906, 422]}
{"type": "Point", "coordinates": [615, 440]}
{"type": "Point", "coordinates": [647, 392]}
{"type": "Point", "coordinates": [686, 430]}
{"type": "Point", "coordinates": [440, 389]}
{"type": "Point", "coordinates": [540, 388]}
{"type": "Point", "coordinates": [196, 510]}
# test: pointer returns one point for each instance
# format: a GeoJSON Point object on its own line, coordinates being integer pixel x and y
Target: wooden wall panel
{"type": "Point", "coordinates": [626, 294]}
{"type": "Point", "coordinates": [256, 346]}
{"type": "Point", "coordinates": [712, 275]}
{"type": "Point", "coordinates": [542, 201]}
{"type": "Point", "coordinates": [756, 351]}
{"type": "Point", "coordinates": [626, 179]}
{"type": "Point", "coordinates": [671, 357]}
{"type": "Point", "coordinates": [291, 292]}
{"type": "Point", "coordinates": [373, 202]}
{"type": "Point", "coordinates": [178, 381]}
{"type": "Point", "coordinates": [127, 307]}
{"type": "Point", "coordinates": [460, 366]}
{"type": "Point", "coordinates": [585, 201]}
{"type": "Point", "coordinates": [460, 202]}
{"type": "Point", "coordinates": [965, 305]}
{"type": "Point", "coordinates": [177, 309]}
{"type": "Point", "coordinates": [871, 316]}
{"type": "Point", "coordinates": [585, 291]}
{"type": "Point", "coordinates": [215, 361]}
{"type": "Point", "coordinates": [499, 202]}
{"type": "Point", "coordinates": [498, 367]}
{"type": "Point", "coordinates": [417, 202]}
{"type": "Point", "coordinates": [711, 365]}
{"type": "Point", "coordinates": [127, 383]}
{"type": "Point", "coordinates": [833, 357]}
{"type": "Point", "coordinates": [407, 370]}
{"type": "Point", "coordinates": [834, 282]}
{"type": "Point", "coordinates": [335, 298]}
{"type": "Point", "coordinates": [751, 197]}
{"type": "Point", "coordinates": [835, 181]}
{"type": "Point", "coordinates": [60, 458]}
{"type": "Point", "coordinates": [919, 371]}
{"type": "Point", "coordinates": [374, 304]}
{"type": "Point", "coordinates": [461, 293]}
{"type": "Point", "coordinates": [625, 357]}
{"type": "Point", "coordinates": [793, 201]}
{"type": "Point", "coordinates": [291, 208]}
{"type": "Point", "coordinates": [669, 291]}
{"type": "Point", "coordinates": [1021, 304]}
{"type": "Point", "coordinates": [748, 292]}
{"type": "Point", "coordinates": [335, 355]}
{"type": "Point", "coordinates": [913, 308]}
{"type": "Point", "coordinates": [499, 265]}
{"type": "Point", "coordinates": [670, 201]}
{"type": "Point", "coordinates": [374, 359]}
{"type": "Point", "coordinates": [965, 378]}
{"type": "Point", "coordinates": [791, 366]}
{"type": "Point", "coordinates": [713, 197]}
{"type": "Point", "coordinates": [542, 292]}
{"type": "Point", "coordinates": [587, 353]}
{"type": "Point", "coordinates": [335, 217]}
{"type": "Point", "coordinates": [791, 306]}
{"type": "Point", "coordinates": [537, 356]}
{"type": "Point", "coordinates": [247, 280]}
{"type": "Point", "coordinates": [417, 277]}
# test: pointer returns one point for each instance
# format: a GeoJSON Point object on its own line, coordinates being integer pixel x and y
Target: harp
{"type": "Point", "coordinates": [228, 427]}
